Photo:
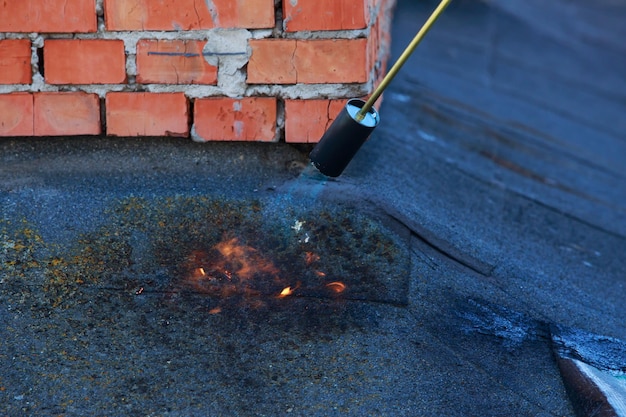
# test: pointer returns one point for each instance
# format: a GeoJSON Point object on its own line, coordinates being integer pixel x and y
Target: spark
{"type": "Point", "coordinates": [297, 226]}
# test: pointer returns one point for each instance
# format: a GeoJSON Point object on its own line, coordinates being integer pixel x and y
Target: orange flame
{"type": "Point", "coordinates": [285, 292]}
{"type": "Point", "coordinates": [245, 259]}
{"type": "Point", "coordinates": [311, 257]}
{"type": "Point", "coordinates": [336, 286]}
{"type": "Point", "coordinates": [226, 269]}
{"type": "Point", "coordinates": [290, 290]}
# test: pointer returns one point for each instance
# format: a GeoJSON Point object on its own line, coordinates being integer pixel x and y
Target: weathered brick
{"type": "Point", "coordinates": [266, 59]}
{"type": "Point", "coordinates": [147, 114]}
{"type": "Point", "coordinates": [325, 14]}
{"type": "Point", "coordinates": [251, 119]}
{"type": "Point", "coordinates": [332, 61]}
{"type": "Point", "coordinates": [84, 61]}
{"type": "Point", "coordinates": [188, 14]}
{"type": "Point", "coordinates": [72, 113]}
{"type": "Point", "coordinates": [292, 61]}
{"type": "Point", "coordinates": [307, 120]}
{"type": "Point", "coordinates": [15, 61]}
{"type": "Point", "coordinates": [272, 61]}
{"type": "Point", "coordinates": [16, 114]}
{"type": "Point", "coordinates": [380, 41]}
{"type": "Point", "coordinates": [374, 42]}
{"type": "Point", "coordinates": [48, 16]}
{"type": "Point", "coordinates": [173, 62]}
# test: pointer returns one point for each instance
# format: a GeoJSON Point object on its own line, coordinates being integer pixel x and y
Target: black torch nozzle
{"type": "Point", "coordinates": [358, 119]}
{"type": "Point", "coordinates": [343, 138]}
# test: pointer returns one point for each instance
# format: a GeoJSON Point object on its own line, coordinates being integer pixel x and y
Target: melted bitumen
{"type": "Point", "coordinates": [602, 352]}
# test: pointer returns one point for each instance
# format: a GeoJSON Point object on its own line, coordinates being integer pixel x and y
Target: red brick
{"type": "Point", "coordinates": [84, 61]}
{"type": "Point", "coordinates": [147, 114]}
{"type": "Point", "coordinates": [325, 14]}
{"type": "Point", "coordinates": [16, 114]}
{"type": "Point", "coordinates": [332, 61]}
{"type": "Point", "coordinates": [15, 61]}
{"type": "Point", "coordinates": [272, 61]}
{"type": "Point", "coordinates": [184, 65]}
{"type": "Point", "coordinates": [188, 14]}
{"type": "Point", "coordinates": [252, 119]}
{"type": "Point", "coordinates": [374, 42]}
{"type": "Point", "coordinates": [48, 16]}
{"type": "Point", "coordinates": [307, 120]}
{"type": "Point", "coordinates": [291, 61]}
{"type": "Point", "coordinates": [380, 41]}
{"type": "Point", "coordinates": [58, 114]}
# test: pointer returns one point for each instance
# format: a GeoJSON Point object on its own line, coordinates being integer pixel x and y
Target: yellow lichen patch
{"type": "Point", "coordinates": [52, 274]}
{"type": "Point", "coordinates": [96, 258]}
{"type": "Point", "coordinates": [56, 262]}
{"type": "Point", "coordinates": [19, 247]}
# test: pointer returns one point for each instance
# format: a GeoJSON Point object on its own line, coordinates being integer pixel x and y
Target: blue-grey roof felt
{"type": "Point", "coordinates": [487, 210]}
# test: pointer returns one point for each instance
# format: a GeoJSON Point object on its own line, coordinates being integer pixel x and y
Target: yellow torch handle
{"type": "Point", "coordinates": [403, 58]}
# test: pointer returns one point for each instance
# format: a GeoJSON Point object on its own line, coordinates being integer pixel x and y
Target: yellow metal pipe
{"type": "Point", "coordinates": [403, 58]}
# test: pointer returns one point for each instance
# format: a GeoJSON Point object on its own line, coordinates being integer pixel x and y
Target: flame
{"type": "Point", "coordinates": [336, 286]}
{"type": "Point", "coordinates": [245, 259]}
{"type": "Point", "coordinates": [231, 269]}
{"type": "Point", "coordinates": [197, 273]}
{"type": "Point", "coordinates": [311, 257]}
{"type": "Point", "coordinates": [227, 270]}
{"type": "Point", "coordinates": [290, 290]}
{"type": "Point", "coordinates": [285, 292]}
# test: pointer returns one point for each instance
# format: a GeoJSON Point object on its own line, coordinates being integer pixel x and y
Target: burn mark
{"type": "Point", "coordinates": [221, 262]}
{"type": "Point", "coordinates": [327, 257]}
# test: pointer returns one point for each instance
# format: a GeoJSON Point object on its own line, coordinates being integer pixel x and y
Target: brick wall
{"type": "Point", "coordinates": [262, 70]}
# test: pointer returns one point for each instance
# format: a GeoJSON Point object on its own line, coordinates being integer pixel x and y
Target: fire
{"type": "Point", "coordinates": [285, 292]}
{"type": "Point", "coordinates": [198, 273]}
{"type": "Point", "coordinates": [245, 259]}
{"type": "Point", "coordinates": [336, 286]}
{"type": "Point", "coordinates": [311, 257]}
{"type": "Point", "coordinates": [228, 269]}
{"type": "Point", "coordinates": [238, 272]}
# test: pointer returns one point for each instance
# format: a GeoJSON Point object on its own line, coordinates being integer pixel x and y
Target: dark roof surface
{"type": "Point", "coordinates": [483, 223]}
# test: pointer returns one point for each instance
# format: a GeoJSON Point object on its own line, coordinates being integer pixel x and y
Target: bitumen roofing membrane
{"type": "Point", "coordinates": [470, 260]}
